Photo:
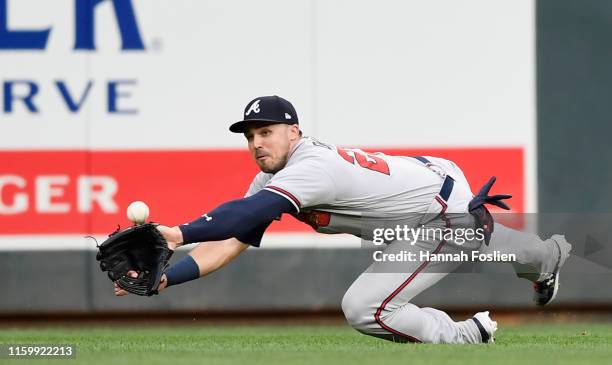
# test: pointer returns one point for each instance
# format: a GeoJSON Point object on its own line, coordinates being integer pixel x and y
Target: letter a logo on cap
{"type": "Point", "coordinates": [253, 108]}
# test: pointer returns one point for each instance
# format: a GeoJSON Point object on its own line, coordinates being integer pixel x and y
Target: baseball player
{"type": "Point", "coordinates": [338, 190]}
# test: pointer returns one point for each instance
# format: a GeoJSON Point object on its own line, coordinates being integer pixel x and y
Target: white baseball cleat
{"type": "Point", "coordinates": [546, 290]}
{"type": "Point", "coordinates": [486, 326]}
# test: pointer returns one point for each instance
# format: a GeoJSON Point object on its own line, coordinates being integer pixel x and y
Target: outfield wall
{"type": "Point", "coordinates": [104, 105]}
{"type": "Point", "coordinates": [307, 279]}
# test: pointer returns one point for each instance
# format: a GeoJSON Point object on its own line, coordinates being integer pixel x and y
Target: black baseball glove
{"type": "Point", "coordinates": [477, 208]}
{"type": "Point", "coordinates": [140, 248]}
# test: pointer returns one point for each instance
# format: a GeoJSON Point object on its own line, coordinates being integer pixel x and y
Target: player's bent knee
{"type": "Point", "coordinates": [356, 311]}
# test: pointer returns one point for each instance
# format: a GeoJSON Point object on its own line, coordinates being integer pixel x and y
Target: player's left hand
{"type": "Point", "coordinates": [173, 236]}
{"type": "Point", "coordinates": [133, 274]}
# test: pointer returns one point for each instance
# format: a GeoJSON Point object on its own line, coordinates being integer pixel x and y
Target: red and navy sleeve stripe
{"type": "Point", "coordinates": [295, 201]}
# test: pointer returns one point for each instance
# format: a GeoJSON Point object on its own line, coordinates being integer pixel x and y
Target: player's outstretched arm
{"type": "Point", "coordinates": [211, 256]}
{"type": "Point", "coordinates": [204, 259]}
{"type": "Point", "coordinates": [224, 232]}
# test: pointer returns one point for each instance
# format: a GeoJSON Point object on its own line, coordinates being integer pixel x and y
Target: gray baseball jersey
{"type": "Point", "coordinates": [333, 188]}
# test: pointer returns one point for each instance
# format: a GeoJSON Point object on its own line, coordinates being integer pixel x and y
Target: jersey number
{"type": "Point", "coordinates": [365, 160]}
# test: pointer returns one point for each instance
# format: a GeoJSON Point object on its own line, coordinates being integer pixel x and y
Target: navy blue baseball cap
{"type": "Point", "coordinates": [271, 109]}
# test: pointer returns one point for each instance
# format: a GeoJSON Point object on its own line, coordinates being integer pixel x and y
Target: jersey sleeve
{"type": "Point", "coordinates": [305, 184]}
{"type": "Point", "coordinates": [258, 183]}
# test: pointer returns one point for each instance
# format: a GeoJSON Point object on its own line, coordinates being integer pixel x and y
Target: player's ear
{"type": "Point", "coordinates": [294, 132]}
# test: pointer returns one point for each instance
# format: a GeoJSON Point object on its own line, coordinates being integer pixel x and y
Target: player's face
{"type": "Point", "coordinates": [270, 145]}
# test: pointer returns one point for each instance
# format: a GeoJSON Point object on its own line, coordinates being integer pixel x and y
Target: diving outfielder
{"type": "Point", "coordinates": [337, 190]}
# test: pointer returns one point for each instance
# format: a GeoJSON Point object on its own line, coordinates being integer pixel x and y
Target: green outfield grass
{"type": "Point", "coordinates": [530, 344]}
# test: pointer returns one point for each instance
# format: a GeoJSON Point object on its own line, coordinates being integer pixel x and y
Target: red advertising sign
{"type": "Point", "coordinates": [64, 192]}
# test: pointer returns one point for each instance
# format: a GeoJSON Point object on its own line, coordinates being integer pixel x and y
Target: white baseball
{"type": "Point", "coordinates": [138, 212]}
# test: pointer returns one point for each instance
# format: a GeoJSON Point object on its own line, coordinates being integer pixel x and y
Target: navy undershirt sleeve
{"type": "Point", "coordinates": [245, 219]}
{"type": "Point", "coordinates": [186, 269]}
